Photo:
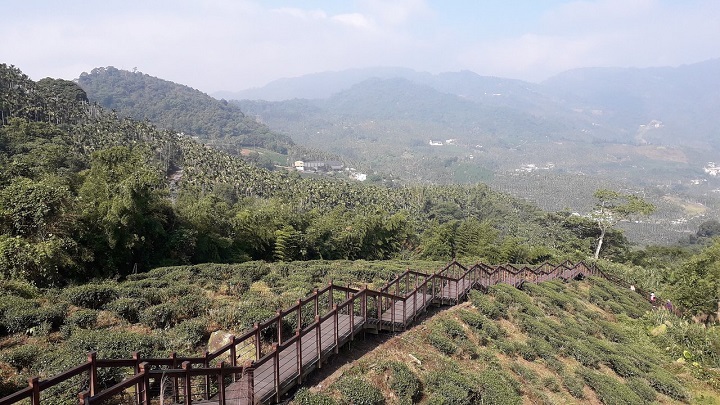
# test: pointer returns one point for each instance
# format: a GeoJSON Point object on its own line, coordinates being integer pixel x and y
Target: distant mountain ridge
{"type": "Point", "coordinates": [177, 107]}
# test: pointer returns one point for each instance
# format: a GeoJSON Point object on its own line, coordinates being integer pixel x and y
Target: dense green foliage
{"type": "Point", "coordinates": [102, 196]}
{"type": "Point", "coordinates": [179, 108]}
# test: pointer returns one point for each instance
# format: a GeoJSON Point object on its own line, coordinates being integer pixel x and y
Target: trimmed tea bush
{"type": "Point", "coordinates": [402, 381]}
{"type": "Point", "coordinates": [304, 397]}
{"type": "Point", "coordinates": [666, 383]}
{"type": "Point", "coordinates": [642, 389]}
{"type": "Point", "coordinates": [93, 296]}
{"type": "Point", "coordinates": [357, 391]}
{"type": "Point", "coordinates": [21, 357]}
{"type": "Point", "coordinates": [84, 318]}
{"type": "Point", "coordinates": [128, 309]}
{"type": "Point", "coordinates": [609, 390]}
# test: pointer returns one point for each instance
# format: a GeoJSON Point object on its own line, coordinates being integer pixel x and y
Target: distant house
{"type": "Point", "coordinates": [299, 165]}
{"type": "Point", "coordinates": [436, 143]}
{"type": "Point", "coordinates": [335, 165]}
{"type": "Point", "coordinates": [315, 165]}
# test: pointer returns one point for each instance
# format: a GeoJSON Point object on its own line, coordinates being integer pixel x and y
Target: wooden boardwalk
{"type": "Point", "coordinates": [275, 356]}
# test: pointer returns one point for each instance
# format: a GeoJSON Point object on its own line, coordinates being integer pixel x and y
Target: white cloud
{"type": "Point", "coordinates": [235, 44]}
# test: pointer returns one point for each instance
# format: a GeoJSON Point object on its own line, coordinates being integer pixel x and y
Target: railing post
{"type": "Point", "coordinates": [336, 327]}
{"type": "Point", "coordinates": [136, 357]}
{"type": "Point", "coordinates": [257, 341]}
{"type": "Point", "coordinates": [221, 384]}
{"type": "Point", "coordinates": [250, 373]}
{"type": "Point", "coordinates": [363, 304]}
{"type": "Point", "coordinates": [176, 381]}
{"type": "Point", "coordinates": [298, 349]}
{"type": "Point", "coordinates": [352, 317]}
{"type": "Point", "coordinates": [318, 341]}
{"type": "Point", "coordinates": [233, 357]}
{"type": "Point", "coordinates": [276, 370]}
{"type": "Point", "coordinates": [84, 398]}
{"type": "Point", "coordinates": [34, 383]}
{"type": "Point", "coordinates": [206, 364]}
{"type": "Point", "coordinates": [92, 359]}
{"type": "Point", "coordinates": [299, 314]}
{"type": "Point", "coordinates": [279, 326]}
{"type": "Point", "coordinates": [316, 293]}
{"type": "Point", "coordinates": [331, 299]}
{"type": "Point", "coordinates": [145, 371]}
{"type": "Point", "coordinates": [188, 382]}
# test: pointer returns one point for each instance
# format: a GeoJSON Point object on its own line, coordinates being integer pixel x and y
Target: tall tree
{"type": "Point", "coordinates": [612, 207]}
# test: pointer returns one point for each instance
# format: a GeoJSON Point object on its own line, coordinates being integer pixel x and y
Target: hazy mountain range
{"type": "Point", "coordinates": [554, 143]}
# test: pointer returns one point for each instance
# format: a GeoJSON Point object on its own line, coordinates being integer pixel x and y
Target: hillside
{"type": "Point", "coordinates": [102, 196]}
{"type": "Point", "coordinates": [177, 107]}
{"type": "Point", "coordinates": [646, 130]}
{"type": "Point", "coordinates": [583, 342]}
{"type": "Point", "coordinates": [575, 342]}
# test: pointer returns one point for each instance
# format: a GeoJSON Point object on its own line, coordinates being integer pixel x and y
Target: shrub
{"type": "Point", "coordinates": [403, 382]}
{"type": "Point", "coordinates": [93, 296]}
{"type": "Point", "coordinates": [622, 366]}
{"type": "Point", "coordinates": [507, 295]}
{"type": "Point", "coordinates": [18, 288]}
{"type": "Point", "coordinates": [442, 342]}
{"type": "Point", "coordinates": [609, 390]}
{"type": "Point", "coordinates": [642, 389]}
{"type": "Point", "coordinates": [666, 383]}
{"type": "Point", "coordinates": [304, 397]}
{"type": "Point", "coordinates": [27, 315]}
{"type": "Point", "coordinates": [357, 391]}
{"type": "Point", "coordinates": [486, 306]}
{"type": "Point", "coordinates": [21, 357]}
{"type": "Point", "coordinates": [583, 354]}
{"type": "Point", "coordinates": [450, 387]}
{"type": "Point", "coordinates": [574, 385]}
{"type": "Point", "coordinates": [84, 318]}
{"type": "Point", "coordinates": [189, 334]}
{"type": "Point", "coordinates": [524, 372]}
{"type": "Point", "coordinates": [128, 309]}
{"type": "Point", "coordinates": [159, 316]}
{"type": "Point", "coordinates": [497, 388]}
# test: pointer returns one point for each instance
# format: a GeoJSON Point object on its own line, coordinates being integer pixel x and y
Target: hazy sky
{"type": "Point", "coordinates": [236, 44]}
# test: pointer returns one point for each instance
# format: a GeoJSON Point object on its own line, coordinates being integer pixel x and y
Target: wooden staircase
{"type": "Point", "coordinates": [275, 356]}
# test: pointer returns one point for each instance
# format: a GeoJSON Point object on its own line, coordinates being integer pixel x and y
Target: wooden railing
{"type": "Point", "coordinates": [276, 355]}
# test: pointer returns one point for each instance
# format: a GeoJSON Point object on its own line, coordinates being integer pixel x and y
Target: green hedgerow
{"type": "Point", "coordinates": [442, 342]}
{"type": "Point", "coordinates": [497, 388]}
{"type": "Point", "coordinates": [622, 366]}
{"type": "Point", "coordinates": [304, 397]}
{"type": "Point", "coordinates": [28, 316]}
{"type": "Point", "coordinates": [403, 381]}
{"type": "Point", "coordinates": [451, 387]}
{"type": "Point", "coordinates": [188, 334]}
{"type": "Point", "coordinates": [21, 357]}
{"type": "Point", "coordinates": [486, 306]}
{"type": "Point", "coordinates": [93, 296]}
{"type": "Point", "coordinates": [161, 316]}
{"type": "Point", "coordinates": [127, 308]}
{"type": "Point", "coordinates": [608, 389]}
{"type": "Point", "coordinates": [574, 385]}
{"type": "Point", "coordinates": [642, 389]}
{"type": "Point", "coordinates": [524, 372]}
{"type": "Point", "coordinates": [666, 383]}
{"type": "Point", "coordinates": [357, 391]}
{"type": "Point", "coordinates": [84, 318]}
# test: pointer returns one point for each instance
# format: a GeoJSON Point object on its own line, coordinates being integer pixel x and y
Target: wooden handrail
{"type": "Point", "coordinates": [407, 286]}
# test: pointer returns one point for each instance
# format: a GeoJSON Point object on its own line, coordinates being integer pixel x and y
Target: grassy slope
{"type": "Point", "coordinates": [581, 342]}
{"type": "Point", "coordinates": [550, 343]}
